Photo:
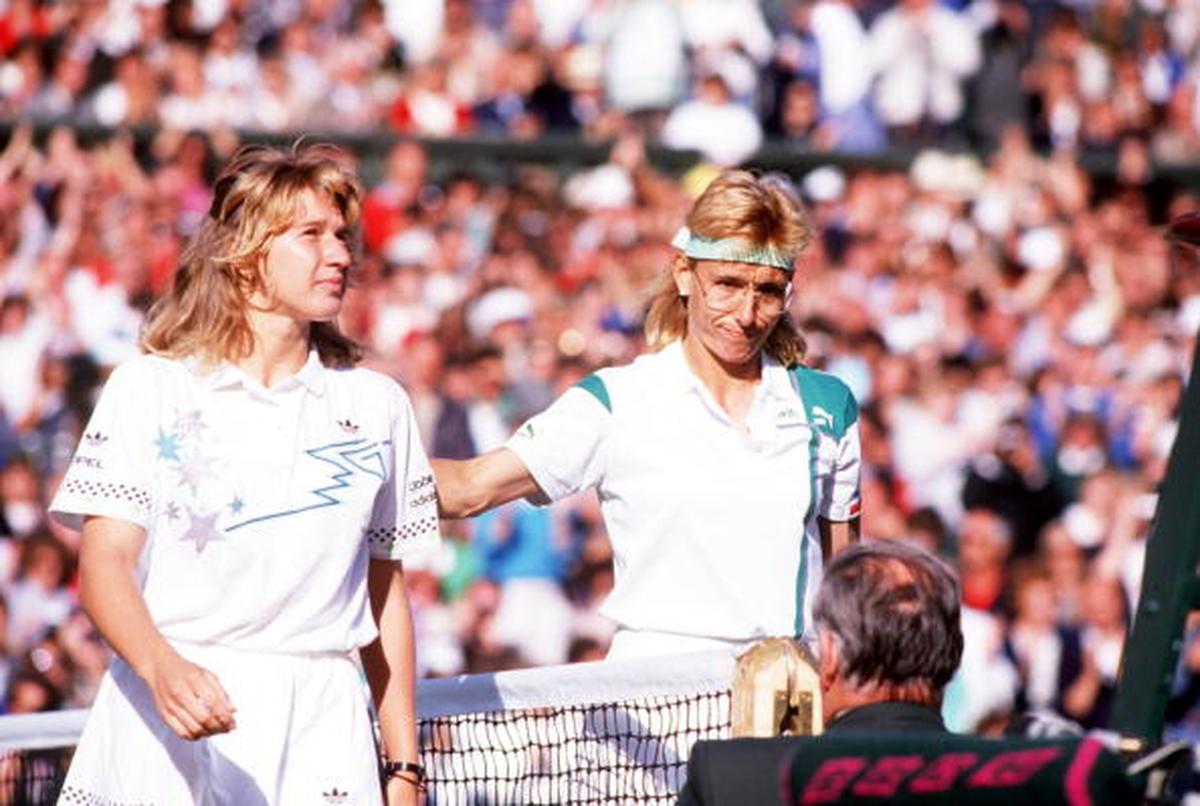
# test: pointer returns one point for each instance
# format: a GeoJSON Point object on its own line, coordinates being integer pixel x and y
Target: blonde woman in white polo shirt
{"type": "Point", "coordinates": [726, 470]}
{"type": "Point", "coordinates": [246, 495]}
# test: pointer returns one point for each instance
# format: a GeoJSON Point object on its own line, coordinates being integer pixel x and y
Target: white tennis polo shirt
{"type": "Point", "coordinates": [261, 506]}
{"type": "Point", "coordinates": [713, 530]}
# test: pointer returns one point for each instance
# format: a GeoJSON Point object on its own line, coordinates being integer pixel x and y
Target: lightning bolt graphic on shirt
{"type": "Point", "coordinates": [348, 459]}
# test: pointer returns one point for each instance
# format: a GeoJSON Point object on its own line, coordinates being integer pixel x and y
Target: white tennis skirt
{"type": "Point", "coordinates": [304, 735]}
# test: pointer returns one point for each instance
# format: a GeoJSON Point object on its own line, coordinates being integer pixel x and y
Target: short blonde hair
{"type": "Point", "coordinates": [255, 199]}
{"type": "Point", "coordinates": [756, 209]}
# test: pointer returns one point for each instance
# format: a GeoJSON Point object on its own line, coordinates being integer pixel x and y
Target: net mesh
{"type": "Point", "coordinates": [634, 750]}
{"type": "Point", "coordinates": [32, 777]}
{"type": "Point", "coordinates": [587, 733]}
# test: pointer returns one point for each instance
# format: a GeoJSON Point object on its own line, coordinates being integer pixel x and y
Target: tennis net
{"type": "Point", "coordinates": [587, 733]}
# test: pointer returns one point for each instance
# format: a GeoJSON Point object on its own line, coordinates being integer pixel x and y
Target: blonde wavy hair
{"type": "Point", "coordinates": [741, 205]}
{"type": "Point", "coordinates": [255, 199]}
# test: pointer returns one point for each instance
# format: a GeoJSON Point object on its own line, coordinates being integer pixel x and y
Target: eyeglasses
{"type": "Point", "coordinates": [727, 294]}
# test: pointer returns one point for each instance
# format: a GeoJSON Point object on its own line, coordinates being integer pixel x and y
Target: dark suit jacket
{"type": "Point", "coordinates": [734, 772]}
{"type": "Point", "coordinates": [887, 717]}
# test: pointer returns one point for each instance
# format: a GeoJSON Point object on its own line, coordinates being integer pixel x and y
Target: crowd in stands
{"type": "Point", "coordinates": [714, 75]}
{"type": "Point", "coordinates": [1015, 330]}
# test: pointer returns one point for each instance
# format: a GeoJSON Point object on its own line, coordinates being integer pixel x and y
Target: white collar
{"type": "Point", "coordinates": [229, 376]}
{"type": "Point", "coordinates": [774, 379]}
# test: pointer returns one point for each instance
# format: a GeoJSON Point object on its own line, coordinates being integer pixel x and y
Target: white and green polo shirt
{"type": "Point", "coordinates": [713, 529]}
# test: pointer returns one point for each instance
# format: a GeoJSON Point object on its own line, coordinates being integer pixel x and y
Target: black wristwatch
{"type": "Point", "coordinates": [394, 769]}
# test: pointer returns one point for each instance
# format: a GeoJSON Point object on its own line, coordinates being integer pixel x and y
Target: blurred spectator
{"type": "Point", "coordinates": [822, 82]}
{"type": "Point", "coordinates": [190, 103]}
{"type": "Point", "coordinates": [997, 95]}
{"type": "Point", "coordinates": [930, 446]}
{"type": "Point", "coordinates": [721, 129]}
{"type": "Point", "coordinates": [1089, 697]}
{"type": "Point", "coordinates": [24, 335]}
{"type": "Point", "coordinates": [1012, 481]}
{"type": "Point", "coordinates": [24, 506]}
{"type": "Point", "coordinates": [645, 71]}
{"type": "Point", "coordinates": [984, 546]}
{"type": "Point", "coordinates": [426, 107]}
{"type": "Point", "coordinates": [1067, 564]}
{"type": "Point", "coordinates": [29, 692]}
{"type": "Point", "coordinates": [983, 691]}
{"type": "Point", "coordinates": [1047, 653]}
{"type": "Point", "coordinates": [37, 596]}
{"type": "Point", "coordinates": [129, 99]}
{"type": "Point", "coordinates": [527, 554]}
{"type": "Point", "coordinates": [388, 206]}
{"type": "Point", "coordinates": [922, 53]}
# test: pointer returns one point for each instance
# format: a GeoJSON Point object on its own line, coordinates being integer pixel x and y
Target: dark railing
{"type": "Point", "coordinates": [493, 158]}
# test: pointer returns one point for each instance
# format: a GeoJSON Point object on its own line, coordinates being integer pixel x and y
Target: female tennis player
{"type": "Point", "coordinates": [246, 495]}
{"type": "Point", "coordinates": [726, 470]}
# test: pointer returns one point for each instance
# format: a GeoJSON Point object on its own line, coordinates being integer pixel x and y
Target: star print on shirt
{"type": "Point", "coordinates": [201, 530]}
{"type": "Point", "coordinates": [236, 505]}
{"type": "Point", "coordinates": [173, 511]}
{"type": "Point", "coordinates": [194, 469]}
{"type": "Point", "coordinates": [168, 447]}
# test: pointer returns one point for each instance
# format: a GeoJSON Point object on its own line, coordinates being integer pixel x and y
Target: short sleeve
{"type": "Point", "coordinates": [562, 447]}
{"type": "Point", "coordinates": [842, 494]}
{"type": "Point", "coordinates": [833, 411]}
{"type": "Point", "coordinates": [110, 473]}
{"type": "Point", "coordinates": [404, 519]}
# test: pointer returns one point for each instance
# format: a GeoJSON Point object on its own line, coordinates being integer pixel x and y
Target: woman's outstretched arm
{"type": "Point", "coordinates": [469, 486]}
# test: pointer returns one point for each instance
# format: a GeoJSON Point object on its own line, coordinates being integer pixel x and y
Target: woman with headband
{"type": "Point", "coordinates": [246, 495]}
{"type": "Point", "coordinates": [727, 471]}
